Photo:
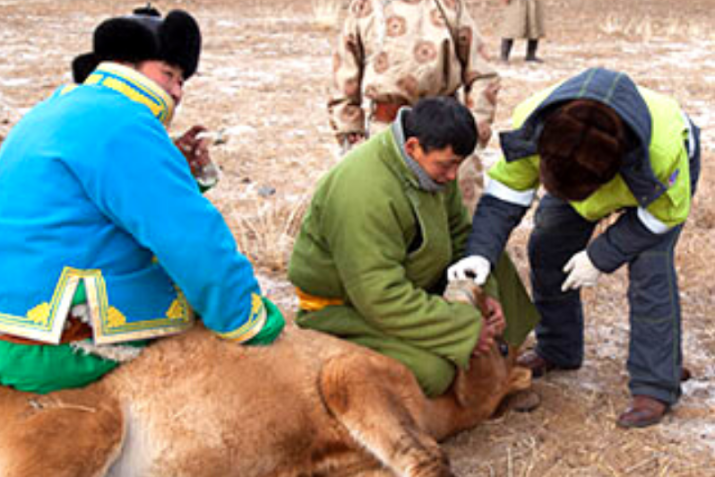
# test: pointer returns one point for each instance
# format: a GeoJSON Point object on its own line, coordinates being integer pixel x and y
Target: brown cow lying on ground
{"type": "Point", "coordinates": [194, 405]}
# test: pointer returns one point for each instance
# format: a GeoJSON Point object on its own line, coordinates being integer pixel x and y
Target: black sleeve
{"type": "Point", "coordinates": [492, 224]}
{"type": "Point", "coordinates": [621, 242]}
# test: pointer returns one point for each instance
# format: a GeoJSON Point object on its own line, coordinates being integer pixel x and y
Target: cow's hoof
{"type": "Point", "coordinates": [525, 401]}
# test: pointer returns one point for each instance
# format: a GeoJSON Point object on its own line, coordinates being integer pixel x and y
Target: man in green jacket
{"type": "Point", "coordinates": [384, 224]}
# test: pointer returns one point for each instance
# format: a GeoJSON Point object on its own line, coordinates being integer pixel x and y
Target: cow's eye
{"type": "Point", "coordinates": [504, 349]}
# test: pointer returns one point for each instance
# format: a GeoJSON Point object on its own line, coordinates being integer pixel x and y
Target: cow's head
{"type": "Point", "coordinates": [491, 376]}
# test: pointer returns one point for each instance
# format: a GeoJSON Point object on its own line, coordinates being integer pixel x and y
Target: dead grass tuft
{"type": "Point", "coordinates": [326, 13]}
{"type": "Point", "coordinates": [266, 69]}
{"type": "Point", "coordinates": [646, 28]}
{"type": "Point", "coordinates": [266, 234]}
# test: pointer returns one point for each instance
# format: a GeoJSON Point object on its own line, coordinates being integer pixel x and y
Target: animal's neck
{"type": "Point", "coordinates": [445, 415]}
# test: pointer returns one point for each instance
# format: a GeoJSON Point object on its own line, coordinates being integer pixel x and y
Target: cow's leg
{"type": "Point", "coordinates": [64, 434]}
{"type": "Point", "coordinates": [376, 399]}
{"type": "Point", "coordinates": [357, 465]}
{"type": "Point", "coordinates": [374, 470]}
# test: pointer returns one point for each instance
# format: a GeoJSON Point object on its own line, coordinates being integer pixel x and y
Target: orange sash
{"type": "Point", "coordinates": [308, 302]}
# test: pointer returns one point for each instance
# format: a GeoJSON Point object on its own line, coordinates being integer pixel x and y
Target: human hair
{"type": "Point", "coordinates": [440, 122]}
{"type": "Point", "coordinates": [581, 148]}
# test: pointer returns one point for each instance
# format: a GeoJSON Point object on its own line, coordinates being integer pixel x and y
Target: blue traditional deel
{"type": "Point", "coordinates": [94, 191]}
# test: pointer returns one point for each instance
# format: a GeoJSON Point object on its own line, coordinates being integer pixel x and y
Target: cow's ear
{"type": "Point", "coordinates": [519, 379]}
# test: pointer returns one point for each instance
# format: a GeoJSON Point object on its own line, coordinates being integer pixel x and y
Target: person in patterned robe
{"type": "Point", "coordinates": [392, 53]}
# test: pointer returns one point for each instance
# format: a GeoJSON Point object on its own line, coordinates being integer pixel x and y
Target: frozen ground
{"type": "Point", "coordinates": [264, 80]}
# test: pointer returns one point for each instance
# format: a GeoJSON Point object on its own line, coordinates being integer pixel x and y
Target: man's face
{"type": "Point", "coordinates": [440, 164]}
{"type": "Point", "coordinates": [169, 77]}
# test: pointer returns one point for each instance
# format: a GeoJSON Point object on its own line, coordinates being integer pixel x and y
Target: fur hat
{"type": "Point", "coordinates": [581, 148]}
{"type": "Point", "coordinates": [144, 35]}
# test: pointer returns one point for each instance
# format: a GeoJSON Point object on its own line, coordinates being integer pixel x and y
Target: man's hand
{"type": "Point", "coordinates": [354, 137]}
{"type": "Point", "coordinates": [582, 272]}
{"type": "Point", "coordinates": [348, 140]}
{"type": "Point", "coordinates": [486, 339]}
{"type": "Point", "coordinates": [485, 133]}
{"type": "Point", "coordinates": [195, 150]}
{"type": "Point", "coordinates": [474, 267]}
{"type": "Point", "coordinates": [494, 315]}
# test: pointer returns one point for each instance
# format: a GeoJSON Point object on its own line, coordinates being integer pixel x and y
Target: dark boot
{"type": "Point", "coordinates": [531, 47]}
{"type": "Point", "coordinates": [539, 366]}
{"type": "Point", "coordinates": [506, 45]}
{"type": "Point", "coordinates": [644, 411]}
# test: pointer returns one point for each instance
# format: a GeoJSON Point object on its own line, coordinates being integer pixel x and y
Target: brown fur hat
{"type": "Point", "coordinates": [581, 148]}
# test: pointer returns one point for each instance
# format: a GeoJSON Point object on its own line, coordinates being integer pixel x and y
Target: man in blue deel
{"type": "Point", "coordinates": [105, 238]}
{"type": "Point", "coordinates": [599, 144]}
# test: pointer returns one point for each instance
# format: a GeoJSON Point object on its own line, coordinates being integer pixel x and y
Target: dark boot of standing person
{"type": "Point", "coordinates": [506, 45]}
{"type": "Point", "coordinates": [531, 48]}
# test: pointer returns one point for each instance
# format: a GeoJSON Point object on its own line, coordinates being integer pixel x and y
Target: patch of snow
{"type": "Point", "coordinates": [239, 130]}
{"type": "Point", "coordinates": [296, 133]}
{"type": "Point", "coordinates": [240, 77]}
{"type": "Point", "coordinates": [275, 290]}
{"type": "Point", "coordinates": [14, 82]}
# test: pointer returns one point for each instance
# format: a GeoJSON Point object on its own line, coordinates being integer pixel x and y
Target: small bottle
{"type": "Point", "coordinates": [208, 175]}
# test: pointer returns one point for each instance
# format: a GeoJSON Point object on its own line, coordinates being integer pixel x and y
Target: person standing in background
{"type": "Point", "coordinates": [522, 19]}
{"type": "Point", "coordinates": [393, 53]}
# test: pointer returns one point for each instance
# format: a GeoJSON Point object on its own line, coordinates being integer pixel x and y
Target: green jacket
{"type": "Point", "coordinates": [377, 241]}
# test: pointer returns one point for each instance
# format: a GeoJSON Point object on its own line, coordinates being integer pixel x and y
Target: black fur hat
{"type": "Point", "coordinates": [144, 35]}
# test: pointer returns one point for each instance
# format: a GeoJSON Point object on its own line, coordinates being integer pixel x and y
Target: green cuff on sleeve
{"type": "Point", "coordinates": [271, 328]}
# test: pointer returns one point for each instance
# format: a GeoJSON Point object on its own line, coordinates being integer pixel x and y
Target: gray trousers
{"type": "Point", "coordinates": [655, 349]}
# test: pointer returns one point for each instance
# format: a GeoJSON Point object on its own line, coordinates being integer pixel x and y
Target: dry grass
{"type": "Point", "coordinates": [265, 74]}
{"type": "Point", "coordinates": [266, 236]}
{"type": "Point", "coordinates": [326, 13]}
{"type": "Point", "coordinates": [648, 28]}
{"type": "Point", "coordinates": [615, 24]}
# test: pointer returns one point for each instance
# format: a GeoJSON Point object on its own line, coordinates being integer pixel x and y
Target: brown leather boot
{"type": "Point", "coordinates": [539, 366]}
{"type": "Point", "coordinates": [644, 411]}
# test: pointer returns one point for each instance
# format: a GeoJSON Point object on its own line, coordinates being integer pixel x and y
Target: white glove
{"type": "Point", "coordinates": [582, 272]}
{"type": "Point", "coordinates": [476, 266]}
